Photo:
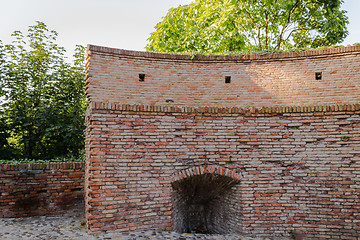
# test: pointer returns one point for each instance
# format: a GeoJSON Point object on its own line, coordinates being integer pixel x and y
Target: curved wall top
{"type": "Point", "coordinates": [114, 75]}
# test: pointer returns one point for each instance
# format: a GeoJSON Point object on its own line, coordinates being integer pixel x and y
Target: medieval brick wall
{"type": "Point", "coordinates": [299, 168]}
{"type": "Point", "coordinates": [281, 146]}
{"type": "Point", "coordinates": [31, 189]}
{"type": "Point", "coordinates": [283, 79]}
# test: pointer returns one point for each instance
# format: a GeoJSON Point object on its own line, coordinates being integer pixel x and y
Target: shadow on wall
{"type": "Point", "coordinates": [40, 188]}
{"type": "Point", "coordinates": [202, 202]}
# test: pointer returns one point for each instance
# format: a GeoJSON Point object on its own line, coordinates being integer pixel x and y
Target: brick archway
{"type": "Point", "coordinates": [202, 199]}
{"type": "Point", "coordinates": [204, 169]}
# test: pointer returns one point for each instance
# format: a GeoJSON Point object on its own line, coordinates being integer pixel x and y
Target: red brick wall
{"type": "Point", "coordinates": [31, 189]}
{"type": "Point", "coordinates": [281, 79]}
{"type": "Point", "coordinates": [299, 167]}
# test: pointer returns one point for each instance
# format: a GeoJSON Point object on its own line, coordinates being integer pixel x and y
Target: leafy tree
{"type": "Point", "coordinates": [44, 100]}
{"type": "Point", "coordinates": [254, 25]}
{"type": "Point", "coordinates": [2, 61]}
{"type": "Point", "coordinates": [5, 149]}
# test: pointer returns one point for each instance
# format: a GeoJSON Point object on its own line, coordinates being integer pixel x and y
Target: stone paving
{"type": "Point", "coordinates": [70, 226]}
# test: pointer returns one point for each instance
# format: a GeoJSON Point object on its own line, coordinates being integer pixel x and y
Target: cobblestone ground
{"type": "Point", "coordinates": [70, 226]}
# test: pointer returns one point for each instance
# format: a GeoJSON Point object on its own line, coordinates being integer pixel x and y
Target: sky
{"type": "Point", "coordinates": [124, 24]}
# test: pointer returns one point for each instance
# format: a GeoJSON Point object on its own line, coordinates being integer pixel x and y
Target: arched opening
{"type": "Point", "coordinates": [202, 200]}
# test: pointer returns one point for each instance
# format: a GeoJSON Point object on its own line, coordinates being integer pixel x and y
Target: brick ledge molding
{"type": "Point", "coordinates": [225, 110]}
{"type": "Point", "coordinates": [319, 53]}
{"type": "Point", "coordinates": [42, 166]}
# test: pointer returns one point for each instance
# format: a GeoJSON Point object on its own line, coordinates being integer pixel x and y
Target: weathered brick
{"type": "Point", "coordinates": [294, 171]}
{"type": "Point", "coordinates": [40, 188]}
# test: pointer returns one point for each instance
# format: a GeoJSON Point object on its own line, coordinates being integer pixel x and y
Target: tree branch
{"type": "Point", "coordinates": [280, 39]}
{"type": "Point", "coordinates": [257, 27]}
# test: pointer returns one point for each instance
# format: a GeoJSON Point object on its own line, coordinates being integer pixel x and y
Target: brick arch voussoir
{"type": "Point", "coordinates": [204, 169]}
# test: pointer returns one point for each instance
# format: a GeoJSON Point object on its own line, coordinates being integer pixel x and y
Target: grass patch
{"type": "Point", "coordinates": [58, 159]}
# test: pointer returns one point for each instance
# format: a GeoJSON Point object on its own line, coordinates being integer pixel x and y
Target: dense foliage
{"type": "Point", "coordinates": [42, 97]}
{"type": "Point", "coordinates": [213, 26]}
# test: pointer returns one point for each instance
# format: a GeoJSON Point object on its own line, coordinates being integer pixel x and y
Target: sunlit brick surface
{"type": "Point", "coordinates": [296, 168]}
{"type": "Point", "coordinates": [257, 80]}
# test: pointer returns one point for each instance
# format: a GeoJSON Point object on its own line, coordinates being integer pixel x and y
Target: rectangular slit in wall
{"type": "Point", "coordinates": [227, 79]}
{"type": "Point", "coordinates": [318, 75]}
{"type": "Point", "coordinates": [141, 77]}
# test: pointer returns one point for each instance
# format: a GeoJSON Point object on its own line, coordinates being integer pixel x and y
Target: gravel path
{"type": "Point", "coordinates": [70, 226]}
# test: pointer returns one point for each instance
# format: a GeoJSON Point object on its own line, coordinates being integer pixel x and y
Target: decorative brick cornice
{"type": "Point", "coordinates": [204, 169]}
{"type": "Point", "coordinates": [42, 166]}
{"type": "Point", "coordinates": [226, 110]}
{"type": "Point", "coordinates": [318, 53]}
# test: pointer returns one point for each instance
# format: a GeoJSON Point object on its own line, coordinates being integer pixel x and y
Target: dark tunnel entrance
{"type": "Point", "coordinates": [204, 204]}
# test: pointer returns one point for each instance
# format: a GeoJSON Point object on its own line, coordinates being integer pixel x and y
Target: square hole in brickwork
{"type": "Point", "coordinates": [227, 79]}
{"type": "Point", "coordinates": [318, 75]}
{"type": "Point", "coordinates": [141, 77]}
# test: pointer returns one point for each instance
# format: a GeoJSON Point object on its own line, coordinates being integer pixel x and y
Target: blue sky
{"type": "Point", "coordinates": [122, 24]}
